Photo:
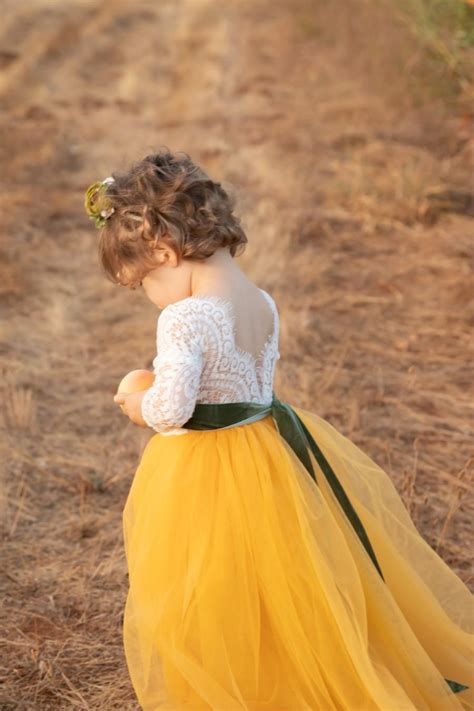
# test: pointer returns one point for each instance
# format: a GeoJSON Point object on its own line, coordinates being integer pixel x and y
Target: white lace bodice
{"type": "Point", "coordinates": [198, 361]}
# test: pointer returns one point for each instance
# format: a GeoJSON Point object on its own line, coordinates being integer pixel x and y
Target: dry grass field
{"type": "Point", "coordinates": [347, 139]}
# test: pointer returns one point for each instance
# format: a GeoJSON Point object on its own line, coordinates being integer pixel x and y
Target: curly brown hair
{"type": "Point", "coordinates": [166, 198]}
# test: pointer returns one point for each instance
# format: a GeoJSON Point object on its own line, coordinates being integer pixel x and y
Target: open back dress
{"type": "Point", "coordinates": [249, 588]}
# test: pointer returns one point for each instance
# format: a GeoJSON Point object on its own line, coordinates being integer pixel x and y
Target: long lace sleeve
{"type": "Point", "coordinates": [170, 401]}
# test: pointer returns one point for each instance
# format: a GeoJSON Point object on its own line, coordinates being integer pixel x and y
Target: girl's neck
{"type": "Point", "coordinates": [216, 274]}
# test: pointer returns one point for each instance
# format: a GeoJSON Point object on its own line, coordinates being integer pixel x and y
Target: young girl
{"type": "Point", "coordinates": [272, 564]}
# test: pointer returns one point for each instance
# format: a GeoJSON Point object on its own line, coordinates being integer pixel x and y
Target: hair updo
{"type": "Point", "coordinates": [165, 197]}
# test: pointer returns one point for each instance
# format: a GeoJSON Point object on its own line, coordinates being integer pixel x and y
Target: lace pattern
{"type": "Point", "coordinates": [198, 361]}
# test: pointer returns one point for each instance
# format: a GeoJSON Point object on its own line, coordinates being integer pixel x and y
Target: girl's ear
{"type": "Point", "coordinates": [166, 255]}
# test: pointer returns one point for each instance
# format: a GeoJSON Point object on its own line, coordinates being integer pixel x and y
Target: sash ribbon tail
{"type": "Point", "coordinates": [293, 429]}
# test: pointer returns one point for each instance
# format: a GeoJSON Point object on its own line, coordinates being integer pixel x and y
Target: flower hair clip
{"type": "Point", "coordinates": [97, 204]}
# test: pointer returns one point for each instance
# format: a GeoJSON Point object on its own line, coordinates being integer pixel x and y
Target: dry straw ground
{"type": "Point", "coordinates": [349, 145]}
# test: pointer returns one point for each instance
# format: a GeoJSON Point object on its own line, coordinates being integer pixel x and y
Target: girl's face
{"type": "Point", "coordinates": [170, 280]}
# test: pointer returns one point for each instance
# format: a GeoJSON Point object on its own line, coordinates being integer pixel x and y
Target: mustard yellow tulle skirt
{"type": "Point", "coordinates": [249, 589]}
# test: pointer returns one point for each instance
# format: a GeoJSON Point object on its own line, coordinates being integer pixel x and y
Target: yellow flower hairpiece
{"type": "Point", "coordinates": [97, 204]}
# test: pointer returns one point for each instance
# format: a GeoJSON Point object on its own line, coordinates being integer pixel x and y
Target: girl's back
{"type": "Point", "coordinates": [218, 346]}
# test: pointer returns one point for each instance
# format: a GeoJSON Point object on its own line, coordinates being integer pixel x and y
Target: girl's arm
{"type": "Point", "coordinates": [171, 400]}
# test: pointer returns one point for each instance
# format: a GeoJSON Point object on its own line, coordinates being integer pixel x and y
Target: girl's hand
{"type": "Point", "coordinates": [132, 403]}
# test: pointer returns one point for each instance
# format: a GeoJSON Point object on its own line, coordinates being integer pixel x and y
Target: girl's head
{"type": "Point", "coordinates": [162, 216]}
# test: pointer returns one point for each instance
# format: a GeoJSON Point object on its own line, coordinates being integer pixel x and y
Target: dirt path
{"type": "Point", "coordinates": [331, 180]}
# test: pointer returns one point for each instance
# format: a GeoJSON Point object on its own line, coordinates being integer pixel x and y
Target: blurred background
{"type": "Point", "coordinates": [345, 129]}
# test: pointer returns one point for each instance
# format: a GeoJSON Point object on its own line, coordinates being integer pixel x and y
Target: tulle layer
{"type": "Point", "coordinates": [249, 588]}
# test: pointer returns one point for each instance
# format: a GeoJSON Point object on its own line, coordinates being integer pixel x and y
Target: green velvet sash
{"type": "Point", "coordinates": [209, 416]}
